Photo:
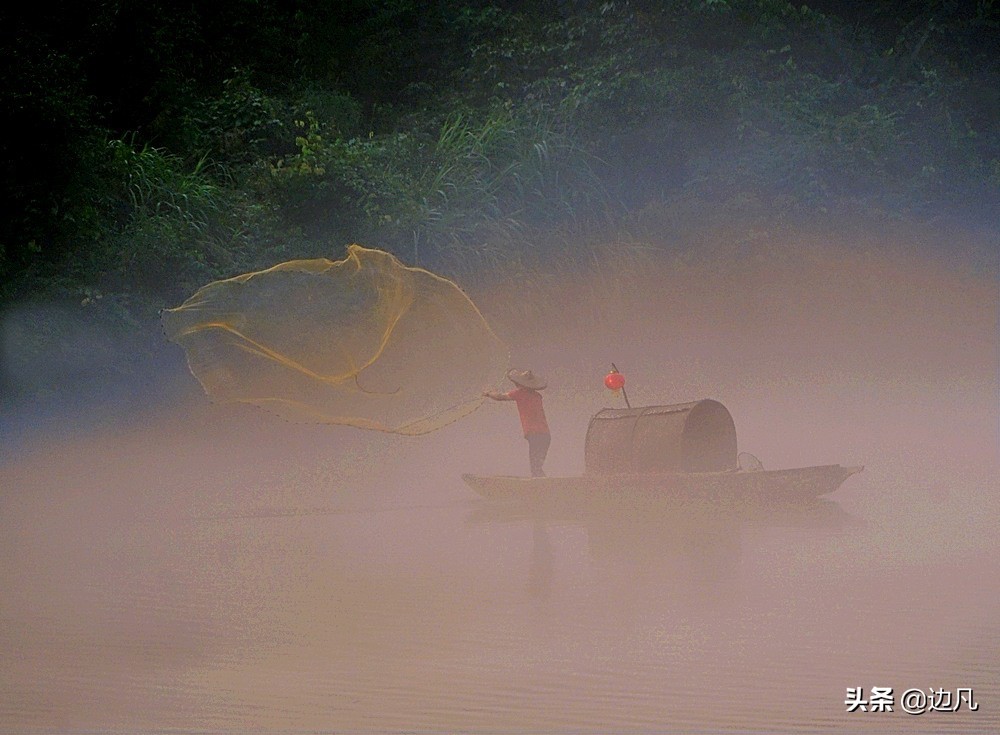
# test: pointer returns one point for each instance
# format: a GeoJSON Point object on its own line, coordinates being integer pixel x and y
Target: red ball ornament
{"type": "Point", "coordinates": [614, 381]}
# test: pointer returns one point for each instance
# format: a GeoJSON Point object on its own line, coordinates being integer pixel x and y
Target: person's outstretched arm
{"type": "Point", "coordinates": [497, 396]}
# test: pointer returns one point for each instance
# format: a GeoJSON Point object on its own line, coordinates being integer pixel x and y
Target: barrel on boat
{"type": "Point", "coordinates": [699, 436]}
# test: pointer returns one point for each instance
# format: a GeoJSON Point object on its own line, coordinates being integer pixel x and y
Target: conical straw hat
{"type": "Point", "coordinates": [526, 379]}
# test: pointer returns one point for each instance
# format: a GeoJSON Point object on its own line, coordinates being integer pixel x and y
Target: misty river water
{"type": "Point", "coordinates": [216, 571]}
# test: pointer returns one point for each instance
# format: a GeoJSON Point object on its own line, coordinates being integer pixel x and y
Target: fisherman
{"type": "Point", "coordinates": [529, 407]}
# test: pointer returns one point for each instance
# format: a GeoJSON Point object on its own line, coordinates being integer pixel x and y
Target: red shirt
{"type": "Point", "coordinates": [529, 407]}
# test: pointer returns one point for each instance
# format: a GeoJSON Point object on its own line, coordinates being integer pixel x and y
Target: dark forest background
{"type": "Point", "coordinates": [151, 147]}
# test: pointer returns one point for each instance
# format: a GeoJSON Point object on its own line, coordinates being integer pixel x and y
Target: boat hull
{"type": "Point", "coordinates": [789, 485]}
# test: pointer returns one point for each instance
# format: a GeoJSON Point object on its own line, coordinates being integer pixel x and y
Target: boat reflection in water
{"type": "Point", "coordinates": [689, 545]}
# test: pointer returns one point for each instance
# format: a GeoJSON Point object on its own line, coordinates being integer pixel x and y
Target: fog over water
{"type": "Point", "coordinates": [210, 568]}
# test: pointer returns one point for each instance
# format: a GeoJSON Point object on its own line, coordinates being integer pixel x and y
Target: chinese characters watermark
{"type": "Point", "coordinates": [912, 701]}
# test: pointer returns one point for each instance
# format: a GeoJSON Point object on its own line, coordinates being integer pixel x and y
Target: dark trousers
{"type": "Point", "coordinates": [538, 447]}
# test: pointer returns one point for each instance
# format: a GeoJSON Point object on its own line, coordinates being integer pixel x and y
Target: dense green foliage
{"type": "Point", "coordinates": [153, 146]}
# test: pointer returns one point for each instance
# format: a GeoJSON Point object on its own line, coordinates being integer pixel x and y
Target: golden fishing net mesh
{"type": "Point", "coordinates": [364, 341]}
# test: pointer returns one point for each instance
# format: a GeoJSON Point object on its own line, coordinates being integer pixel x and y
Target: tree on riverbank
{"type": "Point", "coordinates": [154, 146]}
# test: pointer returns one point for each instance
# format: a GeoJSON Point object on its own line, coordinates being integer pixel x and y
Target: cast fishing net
{"type": "Point", "coordinates": [364, 341]}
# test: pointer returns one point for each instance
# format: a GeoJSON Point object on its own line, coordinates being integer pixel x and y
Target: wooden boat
{"type": "Point", "coordinates": [789, 485]}
{"type": "Point", "coordinates": [681, 451]}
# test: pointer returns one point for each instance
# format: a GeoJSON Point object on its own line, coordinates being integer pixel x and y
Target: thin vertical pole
{"type": "Point", "coordinates": [624, 393]}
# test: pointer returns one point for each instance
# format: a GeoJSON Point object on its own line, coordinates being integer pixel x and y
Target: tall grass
{"type": "Point", "coordinates": [462, 195]}
{"type": "Point", "coordinates": [169, 225]}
